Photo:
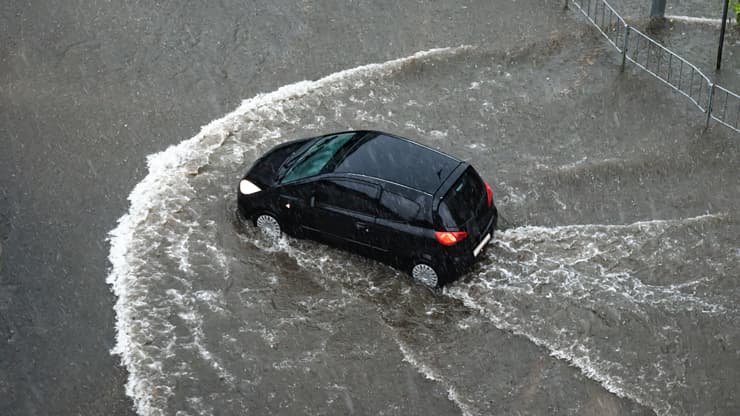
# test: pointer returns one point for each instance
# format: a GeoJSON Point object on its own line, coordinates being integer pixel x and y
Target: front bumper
{"type": "Point", "coordinates": [246, 204]}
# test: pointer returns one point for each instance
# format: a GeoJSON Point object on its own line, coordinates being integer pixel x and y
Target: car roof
{"type": "Point", "coordinates": [396, 159]}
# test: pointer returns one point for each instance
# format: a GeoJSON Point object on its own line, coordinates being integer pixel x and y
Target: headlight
{"type": "Point", "coordinates": [247, 188]}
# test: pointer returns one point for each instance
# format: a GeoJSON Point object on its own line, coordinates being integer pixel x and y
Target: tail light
{"type": "Point", "coordinates": [489, 193]}
{"type": "Point", "coordinates": [448, 238]}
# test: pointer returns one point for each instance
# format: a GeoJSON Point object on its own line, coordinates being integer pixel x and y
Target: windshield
{"type": "Point", "coordinates": [316, 157]}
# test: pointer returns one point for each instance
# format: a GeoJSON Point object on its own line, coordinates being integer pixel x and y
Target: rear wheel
{"type": "Point", "coordinates": [425, 274]}
{"type": "Point", "coordinates": [269, 226]}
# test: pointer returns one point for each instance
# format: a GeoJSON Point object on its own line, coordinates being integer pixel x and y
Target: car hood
{"type": "Point", "coordinates": [264, 171]}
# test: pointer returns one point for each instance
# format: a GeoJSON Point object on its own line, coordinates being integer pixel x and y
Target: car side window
{"type": "Point", "coordinates": [396, 207]}
{"type": "Point", "coordinates": [348, 194]}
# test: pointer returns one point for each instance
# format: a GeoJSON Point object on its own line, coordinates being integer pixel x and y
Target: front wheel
{"type": "Point", "coordinates": [269, 226]}
{"type": "Point", "coordinates": [425, 274]}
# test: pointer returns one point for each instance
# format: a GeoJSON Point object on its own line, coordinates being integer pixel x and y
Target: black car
{"type": "Point", "coordinates": [377, 194]}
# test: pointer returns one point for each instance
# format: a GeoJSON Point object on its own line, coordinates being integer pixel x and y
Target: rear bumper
{"type": "Point", "coordinates": [460, 258]}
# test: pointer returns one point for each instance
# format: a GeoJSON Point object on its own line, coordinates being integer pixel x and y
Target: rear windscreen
{"type": "Point", "coordinates": [462, 200]}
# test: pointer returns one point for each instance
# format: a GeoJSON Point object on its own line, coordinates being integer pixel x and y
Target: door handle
{"type": "Point", "coordinates": [362, 226]}
{"type": "Point", "coordinates": [312, 201]}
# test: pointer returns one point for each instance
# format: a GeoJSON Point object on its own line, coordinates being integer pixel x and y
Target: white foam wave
{"type": "Point", "coordinates": [588, 244]}
{"type": "Point", "coordinates": [580, 361]}
{"type": "Point", "coordinates": [701, 20]}
{"type": "Point", "coordinates": [168, 175]}
{"type": "Point", "coordinates": [430, 374]}
{"type": "Point", "coordinates": [535, 266]}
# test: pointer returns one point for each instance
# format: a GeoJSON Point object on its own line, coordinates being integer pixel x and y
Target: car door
{"type": "Point", "coordinates": [343, 210]}
{"type": "Point", "coordinates": [402, 227]}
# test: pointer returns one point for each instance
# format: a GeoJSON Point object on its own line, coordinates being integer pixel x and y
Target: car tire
{"type": "Point", "coordinates": [425, 274]}
{"type": "Point", "coordinates": [268, 225]}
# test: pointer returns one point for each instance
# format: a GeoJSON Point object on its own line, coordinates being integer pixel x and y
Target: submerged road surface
{"type": "Point", "coordinates": [610, 289]}
{"type": "Point", "coordinates": [614, 272]}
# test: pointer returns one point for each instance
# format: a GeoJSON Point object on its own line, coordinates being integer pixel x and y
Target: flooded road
{"type": "Point", "coordinates": [610, 288]}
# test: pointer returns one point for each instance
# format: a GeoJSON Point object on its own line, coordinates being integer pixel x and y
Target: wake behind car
{"type": "Point", "coordinates": [376, 194]}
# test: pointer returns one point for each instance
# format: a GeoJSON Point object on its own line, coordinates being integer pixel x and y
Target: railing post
{"type": "Point", "coordinates": [709, 104]}
{"type": "Point", "coordinates": [657, 9]}
{"type": "Point", "coordinates": [722, 35]}
{"type": "Point", "coordinates": [624, 47]}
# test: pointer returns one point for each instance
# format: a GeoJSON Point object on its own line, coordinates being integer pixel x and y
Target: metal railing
{"type": "Point", "coordinates": [606, 20]}
{"type": "Point", "coordinates": [725, 107]}
{"type": "Point", "coordinates": [670, 68]}
{"type": "Point", "coordinates": [717, 102]}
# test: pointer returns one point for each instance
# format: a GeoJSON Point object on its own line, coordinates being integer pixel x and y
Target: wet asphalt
{"type": "Point", "coordinates": [88, 89]}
